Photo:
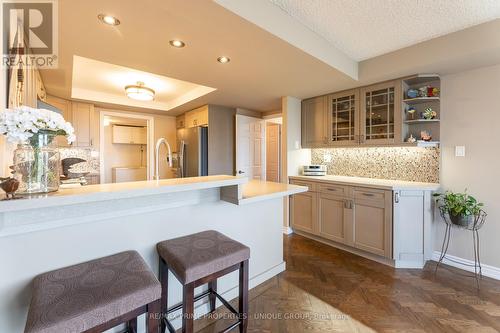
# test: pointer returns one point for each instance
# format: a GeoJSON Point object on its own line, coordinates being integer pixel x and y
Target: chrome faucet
{"type": "Point", "coordinates": [157, 156]}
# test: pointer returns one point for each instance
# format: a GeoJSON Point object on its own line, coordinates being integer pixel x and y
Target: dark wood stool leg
{"type": "Point", "coordinates": [164, 292]}
{"type": "Point", "coordinates": [212, 286]}
{"type": "Point", "coordinates": [153, 317]}
{"type": "Point", "coordinates": [132, 326]}
{"type": "Point", "coordinates": [243, 297]}
{"type": "Point", "coordinates": [187, 308]}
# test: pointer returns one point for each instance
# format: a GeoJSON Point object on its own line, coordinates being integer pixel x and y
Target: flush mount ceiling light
{"type": "Point", "coordinates": [140, 92]}
{"type": "Point", "coordinates": [108, 19]}
{"type": "Point", "coordinates": [223, 60]}
{"type": "Point", "coordinates": [177, 43]}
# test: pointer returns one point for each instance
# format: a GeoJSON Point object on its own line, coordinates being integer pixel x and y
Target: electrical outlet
{"type": "Point", "coordinates": [460, 151]}
{"type": "Point", "coordinates": [297, 145]}
{"type": "Point", "coordinates": [327, 158]}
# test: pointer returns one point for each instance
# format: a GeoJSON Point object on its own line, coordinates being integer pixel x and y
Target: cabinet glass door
{"type": "Point", "coordinates": [343, 114]}
{"type": "Point", "coordinates": [380, 114]}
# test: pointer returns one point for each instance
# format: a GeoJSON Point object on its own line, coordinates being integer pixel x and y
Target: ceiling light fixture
{"type": "Point", "coordinates": [177, 43]}
{"type": "Point", "coordinates": [140, 92]}
{"type": "Point", "coordinates": [108, 19]}
{"type": "Point", "coordinates": [223, 60]}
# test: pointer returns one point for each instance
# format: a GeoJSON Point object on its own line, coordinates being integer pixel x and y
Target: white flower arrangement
{"type": "Point", "coordinates": [21, 123]}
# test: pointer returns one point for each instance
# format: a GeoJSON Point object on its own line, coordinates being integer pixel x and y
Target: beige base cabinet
{"type": "Point", "coordinates": [395, 225]}
{"type": "Point", "coordinates": [303, 207]}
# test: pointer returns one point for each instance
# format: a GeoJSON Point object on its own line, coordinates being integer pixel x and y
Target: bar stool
{"type": "Point", "coordinates": [95, 296]}
{"type": "Point", "coordinates": [198, 259]}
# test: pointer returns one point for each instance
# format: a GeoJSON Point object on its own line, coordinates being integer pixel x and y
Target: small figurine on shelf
{"type": "Point", "coordinates": [426, 136]}
{"type": "Point", "coordinates": [411, 113]}
{"type": "Point", "coordinates": [412, 93]}
{"type": "Point", "coordinates": [422, 91]}
{"type": "Point", "coordinates": [411, 139]}
{"type": "Point", "coordinates": [429, 114]}
{"type": "Point", "coordinates": [435, 92]}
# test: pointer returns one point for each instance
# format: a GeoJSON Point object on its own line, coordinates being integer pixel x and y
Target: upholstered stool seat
{"type": "Point", "coordinates": [198, 259]}
{"type": "Point", "coordinates": [94, 295]}
{"type": "Point", "coordinates": [198, 255]}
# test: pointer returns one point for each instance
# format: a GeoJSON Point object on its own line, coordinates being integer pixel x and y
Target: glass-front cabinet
{"type": "Point", "coordinates": [381, 113]}
{"type": "Point", "coordinates": [343, 113]}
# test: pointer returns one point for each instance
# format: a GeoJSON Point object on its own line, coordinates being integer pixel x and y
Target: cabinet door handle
{"type": "Point", "coordinates": [368, 194]}
{"type": "Point", "coordinates": [332, 189]}
{"type": "Point", "coordinates": [346, 204]}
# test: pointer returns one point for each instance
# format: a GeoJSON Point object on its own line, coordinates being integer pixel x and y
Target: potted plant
{"type": "Point", "coordinates": [462, 208]}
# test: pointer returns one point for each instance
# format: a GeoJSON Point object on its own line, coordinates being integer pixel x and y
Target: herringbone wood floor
{"type": "Point", "coordinates": [328, 290]}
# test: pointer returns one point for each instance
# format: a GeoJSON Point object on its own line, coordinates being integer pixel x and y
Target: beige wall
{"type": "Point", "coordinates": [292, 157]}
{"type": "Point", "coordinates": [470, 117]}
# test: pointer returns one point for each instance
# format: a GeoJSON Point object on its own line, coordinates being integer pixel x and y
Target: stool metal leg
{"type": "Point", "coordinates": [243, 296]}
{"type": "Point", "coordinates": [132, 326]}
{"type": "Point", "coordinates": [212, 287]}
{"type": "Point", "coordinates": [188, 308]}
{"type": "Point", "coordinates": [477, 261]}
{"type": "Point", "coordinates": [163, 275]}
{"type": "Point", "coordinates": [153, 317]}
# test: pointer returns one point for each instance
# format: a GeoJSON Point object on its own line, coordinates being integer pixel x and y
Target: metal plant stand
{"type": "Point", "coordinates": [475, 224]}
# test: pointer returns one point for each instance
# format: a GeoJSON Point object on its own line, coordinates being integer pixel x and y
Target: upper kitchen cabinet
{"type": "Point", "coordinates": [82, 119]}
{"type": "Point", "coordinates": [197, 117]}
{"type": "Point", "coordinates": [381, 114]}
{"type": "Point", "coordinates": [65, 107]}
{"type": "Point", "coordinates": [343, 118]}
{"type": "Point", "coordinates": [314, 122]}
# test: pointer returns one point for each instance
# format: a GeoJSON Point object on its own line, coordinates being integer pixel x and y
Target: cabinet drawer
{"type": "Point", "coordinates": [310, 185]}
{"type": "Point", "coordinates": [369, 194]}
{"type": "Point", "coordinates": [333, 189]}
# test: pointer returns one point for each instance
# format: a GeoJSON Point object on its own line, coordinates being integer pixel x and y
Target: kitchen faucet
{"type": "Point", "coordinates": [157, 156]}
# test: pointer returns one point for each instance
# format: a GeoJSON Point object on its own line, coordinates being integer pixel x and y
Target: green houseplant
{"type": "Point", "coordinates": [461, 207]}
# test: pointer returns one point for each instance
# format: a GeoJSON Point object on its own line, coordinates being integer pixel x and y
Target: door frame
{"type": "Point", "coordinates": [150, 123]}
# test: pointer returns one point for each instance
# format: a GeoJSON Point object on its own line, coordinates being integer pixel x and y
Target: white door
{"type": "Point", "coordinates": [250, 147]}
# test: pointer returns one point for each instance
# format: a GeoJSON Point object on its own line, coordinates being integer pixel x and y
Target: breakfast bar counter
{"type": "Point", "coordinates": [70, 226]}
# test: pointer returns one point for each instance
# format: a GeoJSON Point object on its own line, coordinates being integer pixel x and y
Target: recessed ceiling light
{"type": "Point", "coordinates": [177, 43]}
{"type": "Point", "coordinates": [140, 92]}
{"type": "Point", "coordinates": [223, 60]}
{"type": "Point", "coordinates": [108, 19]}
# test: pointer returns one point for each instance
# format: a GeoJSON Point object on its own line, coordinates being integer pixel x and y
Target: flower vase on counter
{"type": "Point", "coordinates": [36, 164]}
{"type": "Point", "coordinates": [36, 159]}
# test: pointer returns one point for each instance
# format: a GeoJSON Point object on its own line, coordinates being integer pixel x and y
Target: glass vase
{"type": "Point", "coordinates": [37, 164]}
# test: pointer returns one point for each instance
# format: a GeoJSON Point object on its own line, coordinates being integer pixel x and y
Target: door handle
{"type": "Point", "coordinates": [241, 172]}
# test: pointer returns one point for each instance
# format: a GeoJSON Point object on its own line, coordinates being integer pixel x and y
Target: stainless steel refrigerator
{"type": "Point", "coordinates": [193, 152]}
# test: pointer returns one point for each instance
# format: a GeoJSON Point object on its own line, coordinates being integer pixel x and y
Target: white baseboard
{"type": "Point", "coordinates": [489, 271]}
{"type": "Point", "coordinates": [287, 230]}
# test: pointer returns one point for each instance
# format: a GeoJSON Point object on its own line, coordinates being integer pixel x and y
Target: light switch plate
{"type": "Point", "coordinates": [297, 145]}
{"type": "Point", "coordinates": [460, 151]}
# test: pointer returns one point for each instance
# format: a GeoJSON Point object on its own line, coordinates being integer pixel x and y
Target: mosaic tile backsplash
{"type": "Point", "coordinates": [89, 155]}
{"type": "Point", "coordinates": [397, 163]}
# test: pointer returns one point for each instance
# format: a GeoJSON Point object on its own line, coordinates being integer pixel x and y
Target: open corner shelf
{"type": "Point", "coordinates": [419, 121]}
{"type": "Point", "coordinates": [419, 100]}
{"type": "Point", "coordinates": [423, 144]}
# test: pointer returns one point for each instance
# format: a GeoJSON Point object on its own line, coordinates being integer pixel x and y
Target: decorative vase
{"type": "Point", "coordinates": [37, 164]}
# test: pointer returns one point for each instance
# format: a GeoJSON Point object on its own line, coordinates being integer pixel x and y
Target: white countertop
{"type": "Point", "coordinates": [113, 191]}
{"type": "Point", "coordinates": [372, 182]}
{"type": "Point", "coordinates": [256, 190]}
{"type": "Point", "coordinates": [250, 192]}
